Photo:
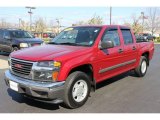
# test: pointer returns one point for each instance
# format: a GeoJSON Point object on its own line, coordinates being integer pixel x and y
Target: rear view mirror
{"type": "Point", "coordinates": [106, 44]}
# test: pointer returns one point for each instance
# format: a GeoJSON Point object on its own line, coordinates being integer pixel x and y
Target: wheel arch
{"type": "Point", "coordinates": [146, 54]}
{"type": "Point", "coordinates": [86, 68]}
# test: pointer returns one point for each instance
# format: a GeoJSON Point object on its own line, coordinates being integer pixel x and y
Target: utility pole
{"type": "Point", "coordinates": [30, 13]}
{"type": "Point", "coordinates": [110, 15]}
{"type": "Point", "coordinates": [142, 15]}
{"type": "Point", "coordinates": [19, 23]}
{"type": "Point", "coordinates": [58, 24]}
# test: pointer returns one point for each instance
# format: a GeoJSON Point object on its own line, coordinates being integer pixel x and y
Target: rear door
{"type": "Point", "coordinates": [110, 61]}
{"type": "Point", "coordinates": [130, 48]}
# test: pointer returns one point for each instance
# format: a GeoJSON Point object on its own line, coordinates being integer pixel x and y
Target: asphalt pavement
{"type": "Point", "coordinates": [122, 94]}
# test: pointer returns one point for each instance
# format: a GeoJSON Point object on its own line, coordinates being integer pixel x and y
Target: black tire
{"type": "Point", "coordinates": [14, 49]}
{"type": "Point", "coordinates": [138, 71]}
{"type": "Point", "coordinates": [71, 81]}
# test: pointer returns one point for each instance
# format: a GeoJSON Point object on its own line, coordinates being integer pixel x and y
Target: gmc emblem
{"type": "Point", "coordinates": [18, 66]}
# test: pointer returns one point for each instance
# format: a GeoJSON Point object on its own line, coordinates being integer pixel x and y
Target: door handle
{"type": "Point", "coordinates": [120, 50]}
{"type": "Point", "coordinates": [134, 48]}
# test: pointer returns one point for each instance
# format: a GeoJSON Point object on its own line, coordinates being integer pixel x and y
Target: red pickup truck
{"type": "Point", "coordinates": [69, 67]}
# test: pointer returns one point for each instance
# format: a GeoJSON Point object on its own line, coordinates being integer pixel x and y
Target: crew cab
{"type": "Point", "coordinates": [69, 67]}
{"type": "Point", "coordinates": [15, 39]}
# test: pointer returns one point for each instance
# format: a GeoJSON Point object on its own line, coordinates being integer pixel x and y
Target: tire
{"type": "Point", "coordinates": [77, 89]}
{"type": "Point", "coordinates": [14, 49]}
{"type": "Point", "coordinates": [141, 70]}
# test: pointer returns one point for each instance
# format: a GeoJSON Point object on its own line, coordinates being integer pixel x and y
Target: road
{"type": "Point", "coordinates": [122, 94]}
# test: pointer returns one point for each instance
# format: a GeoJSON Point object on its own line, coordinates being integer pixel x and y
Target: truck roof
{"type": "Point", "coordinates": [123, 26]}
{"type": "Point", "coordinates": [11, 29]}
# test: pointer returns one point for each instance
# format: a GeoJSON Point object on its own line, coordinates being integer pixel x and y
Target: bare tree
{"type": "Point", "coordinates": [153, 21]}
{"type": "Point", "coordinates": [95, 20]}
{"type": "Point", "coordinates": [136, 26]}
{"type": "Point", "coordinates": [40, 25]}
{"type": "Point", "coordinates": [24, 25]}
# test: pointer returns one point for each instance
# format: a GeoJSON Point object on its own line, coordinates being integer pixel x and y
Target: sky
{"type": "Point", "coordinates": [70, 15]}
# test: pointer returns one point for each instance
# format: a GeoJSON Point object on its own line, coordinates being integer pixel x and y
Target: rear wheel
{"type": "Point", "coordinates": [141, 70]}
{"type": "Point", "coordinates": [77, 89]}
{"type": "Point", "coordinates": [14, 49]}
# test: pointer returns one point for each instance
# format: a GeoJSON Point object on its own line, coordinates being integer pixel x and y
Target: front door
{"type": "Point", "coordinates": [1, 41]}
{"type": "Point", "coordinates": [7, 42]}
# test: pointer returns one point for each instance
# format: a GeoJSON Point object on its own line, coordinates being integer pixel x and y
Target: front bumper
{"type": "Point", "coordinates": [37, 90]}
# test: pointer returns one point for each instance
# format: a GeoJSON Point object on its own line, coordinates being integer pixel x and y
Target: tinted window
{"type": "Point", "coordinates": [1, 33]}
{"type": "Point", "coordinates": [20, 34]}
{"type": "Point", "coordinates": [6, 33]}
{"type": "Point", "coordinates": [127, 36]}
{"type": "Point", "coordinates": [112, 35]}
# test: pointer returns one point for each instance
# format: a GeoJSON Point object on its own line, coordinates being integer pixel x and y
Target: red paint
{"type": "Point", "coordinates": [74, 56]}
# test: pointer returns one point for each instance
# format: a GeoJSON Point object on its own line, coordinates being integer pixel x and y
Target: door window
{"type": "Point", "coordinates": [112, 35]}
{"type": "Point", "coordinates": [6, 34]}
{"type": "Point", "coordinates": [127, 36]}
{"type": "Point", "coordinates": [1, 34]}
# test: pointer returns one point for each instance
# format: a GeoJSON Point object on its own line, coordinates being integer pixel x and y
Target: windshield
{"type": "Point", "coordinates": [20, 34]}
{"type": "Point", "coordinates": [80, 36]}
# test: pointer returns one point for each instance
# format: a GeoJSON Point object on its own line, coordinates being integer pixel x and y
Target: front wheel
{"type": "Point", "coordinates": [77, 89]}
{"type": "Point", "coordinates": [141, 70]}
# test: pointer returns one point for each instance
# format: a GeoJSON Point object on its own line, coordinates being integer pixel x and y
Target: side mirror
{"type": "Point", "coordinates": [107, 44]}
{"type": "Point", "coordinates": [7, 37]}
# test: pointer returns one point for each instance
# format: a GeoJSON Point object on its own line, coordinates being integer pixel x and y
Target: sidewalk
{"type": "Point", "coordinates": [3, 64]}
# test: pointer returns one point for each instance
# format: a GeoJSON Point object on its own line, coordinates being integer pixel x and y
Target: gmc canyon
{"type": "Point", "coordinates": [69, 67]}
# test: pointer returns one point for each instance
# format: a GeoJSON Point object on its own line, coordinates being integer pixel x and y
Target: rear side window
{"type": "Point", "coordinates": [127, 36]}
{"type": "Point", "coordinates": [112, 35]}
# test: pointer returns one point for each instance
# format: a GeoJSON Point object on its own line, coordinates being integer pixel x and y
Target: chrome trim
{"type": "Point", "coordinates": [117, 66]}
{"type": "Point", "coordinates": [22, 75]}
{"type": "Point", "coordinates": [22, 60]}
{"type": "Point", "coordinates": [33, 84]}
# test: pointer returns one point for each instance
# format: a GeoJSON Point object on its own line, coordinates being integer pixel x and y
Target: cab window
{"type": "Point", "coordinates": [112, 35]}
{"type": "Point", "coordinates": [127, 36]}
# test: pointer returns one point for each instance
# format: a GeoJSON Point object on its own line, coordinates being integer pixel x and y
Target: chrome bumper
{"type": "Point", "coordinates": [35, 89]}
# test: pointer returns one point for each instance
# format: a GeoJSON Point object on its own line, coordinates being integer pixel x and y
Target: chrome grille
{"type": "Point", "coordinates": [21, 67]}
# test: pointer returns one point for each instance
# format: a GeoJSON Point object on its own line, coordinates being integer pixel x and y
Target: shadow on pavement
{"type": "Point", "coordinates": [22, 99]}
{"type": "Point", "coordinates": [115, 79]}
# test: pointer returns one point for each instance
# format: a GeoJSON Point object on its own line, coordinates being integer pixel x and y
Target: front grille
{"type": "Point", "coordinates": [21, 67]}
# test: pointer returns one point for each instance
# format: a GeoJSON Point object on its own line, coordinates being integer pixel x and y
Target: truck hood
{"type": "Point", "coordinates": [46, 52]}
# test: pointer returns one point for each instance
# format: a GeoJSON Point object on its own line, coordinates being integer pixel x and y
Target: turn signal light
{"type": "Point", "coordinates": [55, 75]}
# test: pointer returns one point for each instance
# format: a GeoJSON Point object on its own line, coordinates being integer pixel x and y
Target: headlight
{"type": "Point", "coordinates": [46, 71]}
{"type": "Point", "coordinates": [23, 45]}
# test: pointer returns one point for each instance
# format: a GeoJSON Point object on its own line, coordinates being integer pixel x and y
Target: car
{"type": "Point", "coordinates": [147, 36]}
{"type": "Point", "coordinates": [75, 61]}
{"type": "Point", "coordinates": [16, 39]}
{"type": "Point", "coordinates": [48, 35]}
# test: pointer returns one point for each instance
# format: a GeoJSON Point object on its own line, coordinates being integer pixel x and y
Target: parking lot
{"type": "Point", "coordinates": [122, 94]}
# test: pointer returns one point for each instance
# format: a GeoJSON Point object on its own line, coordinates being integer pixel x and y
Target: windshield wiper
{"type": "Point", "coordinates": [53, 43]}
{"type": "Point", "coordinates": [68, 43]}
